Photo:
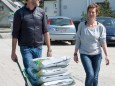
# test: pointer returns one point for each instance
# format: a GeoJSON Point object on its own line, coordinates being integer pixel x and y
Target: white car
{"type": "Point", "coordinates": [61, 29]}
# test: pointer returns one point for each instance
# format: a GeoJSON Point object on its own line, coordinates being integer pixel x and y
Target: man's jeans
{"type": "Point", "coordinates": [91, 65]}
{"type": "Point", "coordinates": [29, 53]}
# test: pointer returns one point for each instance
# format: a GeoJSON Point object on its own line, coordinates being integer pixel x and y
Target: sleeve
{"type": "Point", "coordinates": [44, 23]}
{"type": "Point", "coordinates": [102, 37]}
{"type": "Point", "coordinates": [78, 42]}
{"type": "Point", "coordinates": [16, 25]}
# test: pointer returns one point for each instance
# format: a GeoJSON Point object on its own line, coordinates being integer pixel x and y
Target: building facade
{"type": "Point", "coordinates": [7, 8]}
{"type": "Point", "coordinates": [70, 8]}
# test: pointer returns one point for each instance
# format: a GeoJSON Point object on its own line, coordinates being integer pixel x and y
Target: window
{"type": "Point", "coordinates": [1, 8]}
{"type": "Point", "coordinates": [60, 21]}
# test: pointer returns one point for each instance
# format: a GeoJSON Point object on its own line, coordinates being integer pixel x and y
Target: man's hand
{"type": "Point", "coordinates": [13, 54]}
{"type": "Point", "coordinates": [14, 57]}
{"type": "Point", "coordinates": [49, 53]}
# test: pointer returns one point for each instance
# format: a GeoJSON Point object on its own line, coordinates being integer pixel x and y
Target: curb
{"type": "Point", "coordinates": [5, 35]}
{"type": "Point", "coordinates": [5, 31]}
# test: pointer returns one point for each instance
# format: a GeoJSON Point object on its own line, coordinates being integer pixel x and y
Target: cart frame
{"type": "Point", "coordinates": [25, 76]}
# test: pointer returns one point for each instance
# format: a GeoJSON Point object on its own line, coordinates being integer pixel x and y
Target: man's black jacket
{"type": "Point", "coordinates": [29, 26]}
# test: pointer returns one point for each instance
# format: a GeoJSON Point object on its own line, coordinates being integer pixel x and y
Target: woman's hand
{"type": "Point", "coordinates": [107, 60]}
{"type": "Point", "coordinates": [76, 57]}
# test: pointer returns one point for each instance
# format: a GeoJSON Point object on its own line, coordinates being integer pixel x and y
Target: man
{"type": "Point", "coordinates": [29, 26]}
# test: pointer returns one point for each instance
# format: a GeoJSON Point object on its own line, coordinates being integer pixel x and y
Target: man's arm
{"type": "Point", "coordinates": [46, 34]}
{"type": "Point", "coordinates": [47, 41]}
{"type": "Point", "coordinates": [15, 34]}
{"type": "Point", "coordinates": [13, 54]}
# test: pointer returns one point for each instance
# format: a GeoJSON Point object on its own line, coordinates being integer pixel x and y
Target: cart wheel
{"type": "Point", "coordinates": [26, 84]}
{"type": "Point", "coordinates": [73, 42]}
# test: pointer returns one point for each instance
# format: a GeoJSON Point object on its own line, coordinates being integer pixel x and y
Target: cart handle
{"type": "Point", "coordinates": [21, 72]}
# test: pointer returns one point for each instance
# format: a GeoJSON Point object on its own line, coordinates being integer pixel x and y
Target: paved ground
{"type": "Point", "coordinates": [10, 75]}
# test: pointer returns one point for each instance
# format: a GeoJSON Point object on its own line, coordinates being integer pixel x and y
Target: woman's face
{"type": "Point", "coordinates": [92, 13]}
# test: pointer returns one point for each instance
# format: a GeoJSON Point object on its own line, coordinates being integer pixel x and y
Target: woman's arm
{"type": "Point", "coordinates": [104, 46]}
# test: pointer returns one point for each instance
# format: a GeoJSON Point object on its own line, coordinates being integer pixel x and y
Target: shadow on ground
{"type": "Point", "coordinates": [0, 36]}
{"type": "Point", "coordinates": [111, 45]}
{"type": "Point", "coordinates": [60, 43]}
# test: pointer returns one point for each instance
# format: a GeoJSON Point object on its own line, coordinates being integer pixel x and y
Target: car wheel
{"type": "Point", "coordinates": [44, 43]}
{"type": "Point", "coordinates": [73, 42]}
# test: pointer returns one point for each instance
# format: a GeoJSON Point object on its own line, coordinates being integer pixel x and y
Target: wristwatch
{"type": "Point", "coordinates": [49, 50]}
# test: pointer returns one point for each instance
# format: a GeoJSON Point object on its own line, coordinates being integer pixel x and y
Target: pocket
{"type": "Point", "coordinates": [24, 48]}
{"type": "Point", "coordinates": [40, 47]}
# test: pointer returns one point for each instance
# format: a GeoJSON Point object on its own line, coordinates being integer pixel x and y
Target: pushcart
{"type": "Point", "coordinates": [26, 79]}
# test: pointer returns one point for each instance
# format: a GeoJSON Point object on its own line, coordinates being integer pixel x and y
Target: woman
{"type": "Point", "coordinates": [91, 35]}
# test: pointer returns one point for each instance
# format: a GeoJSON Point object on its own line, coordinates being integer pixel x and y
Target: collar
{"type": "Point", "coordinates": [29, 9]}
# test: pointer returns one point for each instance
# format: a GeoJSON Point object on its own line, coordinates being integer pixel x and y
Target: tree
{"type": "Point", "coordinates": [84, 16]}
{"type": "Point", "coordinates": [105, 9]}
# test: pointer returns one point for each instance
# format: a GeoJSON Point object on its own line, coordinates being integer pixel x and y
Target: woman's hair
{"type": "Point", "coordinates": [94, 5]}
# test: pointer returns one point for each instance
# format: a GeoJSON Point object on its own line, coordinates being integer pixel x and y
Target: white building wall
{"type": "Point", "coordinates": [73, 8]}
{"type": "Point", "coordinates": [112, 4]}
{"type": "Point", "coordinates": [50, 8]}
{"type": "Point", "coordinates": [70, 8]}
{"type": "Point", "coordinates": [94, 1]}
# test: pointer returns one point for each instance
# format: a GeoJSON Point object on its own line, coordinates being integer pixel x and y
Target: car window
{"type": "Point", "coordinates": [60, 22]}
{"type": "Point", "coordinates": [113, 22]}
{"type": "Point", "coordinates": [106, 21]}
